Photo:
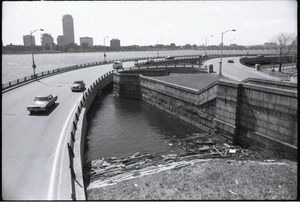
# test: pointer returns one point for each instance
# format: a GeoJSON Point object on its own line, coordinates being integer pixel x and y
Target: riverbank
{"type": "Point", "coordinates": [210, 179]}
{"type": "Point", "coordinates": [223, 172]}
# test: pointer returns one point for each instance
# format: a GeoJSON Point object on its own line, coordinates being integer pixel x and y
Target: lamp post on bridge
{"type": "Point", "coordinates": [33, 64]}
{"type": "Point", "coordinates": [206, 42]}
{"type": "Point", "coordinates": [104, 50]}
{"type": "Point", "coordinates": [220, 69]}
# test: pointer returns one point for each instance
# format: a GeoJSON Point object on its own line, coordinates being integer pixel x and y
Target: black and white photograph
{"type": "Point", "coordinates": [149, 100]}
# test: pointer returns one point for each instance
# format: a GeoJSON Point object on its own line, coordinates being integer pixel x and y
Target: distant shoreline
{"type": "Point", "coordinates": [141, 50]}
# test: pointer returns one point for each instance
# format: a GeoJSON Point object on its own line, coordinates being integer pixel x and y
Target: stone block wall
{"type": "Point", "coordinates": [245, 113]}
{"type": "Point", "coordinates": [268, 118]}
{"type": "Point", "coordinates": [227, 105]}
{"type": "Point", "coordinates": [127, 86]}
{"type": "Point", "coordinates": [191, 105]}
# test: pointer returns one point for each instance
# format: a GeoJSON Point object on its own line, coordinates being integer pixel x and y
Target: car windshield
{"type": "Point", "coordinates": [41, 99]}
{"type": "Point", "coordinates": [79, 82]}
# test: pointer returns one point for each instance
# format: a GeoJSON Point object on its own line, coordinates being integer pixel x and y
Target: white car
{"type": "Point", "coordinates": [117, 65]}
{"type": "Point", "coordinates": [42, 103]}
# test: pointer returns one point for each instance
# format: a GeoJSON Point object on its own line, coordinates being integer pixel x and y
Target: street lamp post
{"type": "Point", "coordinates": [220, 69]}
{"type": "Point", "coordinates": [104, 50]}
{"type": "Point", "coordinates": [206, 42]}
{"type": "Point", "coordinates": [33, 64]}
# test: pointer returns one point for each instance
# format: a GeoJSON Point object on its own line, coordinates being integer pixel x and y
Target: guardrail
{"type": "Point", "coordinates": [70, 144]}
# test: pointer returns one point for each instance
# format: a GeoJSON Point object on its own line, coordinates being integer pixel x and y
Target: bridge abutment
{"type": "Point", "coordinates": [263, 114]}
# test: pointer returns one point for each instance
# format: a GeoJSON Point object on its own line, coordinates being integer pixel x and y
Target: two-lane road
{"type": "Point", "coordinates": [236, 70]}
{"type": "Point", "coordinates": [35, 164]}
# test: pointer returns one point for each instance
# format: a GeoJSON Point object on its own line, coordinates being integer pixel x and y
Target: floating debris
{"type": "Point", "coordinates": [196, 147]}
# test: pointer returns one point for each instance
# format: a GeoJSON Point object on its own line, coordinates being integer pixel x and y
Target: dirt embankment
{"type": "Point", "coordinates": [218, 179]}
{"type": "Point", "coordinates": [208, 169]}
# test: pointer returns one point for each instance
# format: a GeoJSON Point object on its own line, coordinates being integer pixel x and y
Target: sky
{"type": "Point", "coordinates": [153, 22]}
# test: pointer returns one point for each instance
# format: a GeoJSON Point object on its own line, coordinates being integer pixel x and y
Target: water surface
{"type": "Point", "coordinates": [120, 127]}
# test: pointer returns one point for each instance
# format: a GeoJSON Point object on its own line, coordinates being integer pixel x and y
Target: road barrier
{"type": "Point", "coordinates": [75, 152]}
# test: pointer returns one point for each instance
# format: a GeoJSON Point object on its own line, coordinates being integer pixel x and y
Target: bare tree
{"type": "Point", "coordinates": [286, 46]}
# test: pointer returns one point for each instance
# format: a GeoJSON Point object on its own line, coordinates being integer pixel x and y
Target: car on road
{"type": "Point", "coordinates": [230, 61]}
{"type": "Point", "coordinates": [170, 57]}
{"type": "Point", "coordinates": [42, 103]}
{"type": "Point", "coordinates": [78, 86]}
{"type": "Point", "coordinates": [117, 64]}
{"type": "Point", "coordinates": [149, 62]}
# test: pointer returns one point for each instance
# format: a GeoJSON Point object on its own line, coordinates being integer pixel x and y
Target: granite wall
{"type": "Point", "coordinates": [254, 112]}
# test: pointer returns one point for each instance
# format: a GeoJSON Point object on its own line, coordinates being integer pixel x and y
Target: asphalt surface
{"type": "Point", "coordinates": [35, 162]}
{"type": "Point", "coordinates": [236, 70]}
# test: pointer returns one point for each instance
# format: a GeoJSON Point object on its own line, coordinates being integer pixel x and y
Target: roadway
{"type": "Point", "coordinates": [35, 162]}
{"type": "Point", "coordinates": [236, 70]}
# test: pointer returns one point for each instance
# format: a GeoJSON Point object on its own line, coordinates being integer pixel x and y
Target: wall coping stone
{"type": "Point", "coordinates": [184, 88]}
{"type": "Point", "coordinates": [283, 83]}
{"type": "Point", "coordinates": [277, 91]}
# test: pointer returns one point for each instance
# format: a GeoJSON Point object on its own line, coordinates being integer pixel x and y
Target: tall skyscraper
{"type": "Point", "coordinates": [68, 29]}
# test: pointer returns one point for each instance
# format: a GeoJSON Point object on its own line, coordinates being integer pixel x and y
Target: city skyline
{"type": "Point", "coordinates": [152, 22]}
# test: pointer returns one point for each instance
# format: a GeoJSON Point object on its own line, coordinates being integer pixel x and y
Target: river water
{"type": "Point", "coordinates": [120, 127]}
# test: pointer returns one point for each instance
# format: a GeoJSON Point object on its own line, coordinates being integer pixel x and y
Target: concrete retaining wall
{"type": "Point", "coordinates": [227, 105]}
{"type": "Point", "coordinates": [80, 134]}
{"type": "Point", "coordinates": [245, 113]}
{"type": "Point", "coordinates": [268, 118]}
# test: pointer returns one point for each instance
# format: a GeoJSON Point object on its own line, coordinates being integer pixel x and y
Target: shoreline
{"type": "Point", "coordinates": [217, 179]}
{"type": "Point", "coordinates": [264, 172]}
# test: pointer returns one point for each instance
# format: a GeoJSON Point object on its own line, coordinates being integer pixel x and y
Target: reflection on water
{"type": "Point", "coordinates": [120, 127]}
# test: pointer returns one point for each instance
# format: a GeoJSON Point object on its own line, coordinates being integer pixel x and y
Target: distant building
{"type": "Point", "coordinates": [61, 40]}
{"type": "Point", "coordinates": [68, 29]}
{"type": "Point", "coordinates": [233, 45]}
{"type": "Point", "coordinates": [115, 44]}
{"type": "Point", "coordinates": [47, 41]}
{"type": "Point", "coordinates": [86, 41]}
{"type": "Point", "coordinates": [270, 45]}
{"type": "Point", "coordinates": [172, 45]}
{"type": "Point", "coordinates": [27, 40]}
